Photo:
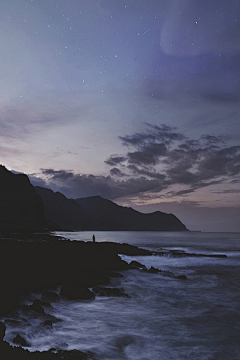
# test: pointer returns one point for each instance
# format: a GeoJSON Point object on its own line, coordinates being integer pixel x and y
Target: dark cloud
{"type": "Point", "coordinates": [149, 173]}
{"type": "Point", "coordinates": [163, 153]}
{"type": "Point", "coordinates": [78, 185]}
{"type": "Point", "coordinates": [151, 145]}
{"type": "Point", "coordinates": [148, 155]}
{"type": "Point", "coordinates": [115, 160]}
{"type": "Point", "coordinates": [116, 172]}
{"type": "Point", "coordinates": [163, 134]}
{"type": "Point", "coordinates": [161, 157]}
{"type": "Point", "coordinates": [229, 191]}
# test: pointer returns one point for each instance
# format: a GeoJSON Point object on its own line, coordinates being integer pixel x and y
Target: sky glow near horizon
{"type": "Point", "coordinates": [137, 101]}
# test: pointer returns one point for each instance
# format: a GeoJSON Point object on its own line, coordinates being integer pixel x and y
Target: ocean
{"type": "Point", "coordinates": [164, 318]}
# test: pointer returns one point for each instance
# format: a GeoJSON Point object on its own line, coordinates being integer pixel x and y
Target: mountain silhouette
{"type": "Point", "coordinates": [97, 213]}
{"type": "Point", "coordinates": [21, 209]}
{"type": "Point", "coordinates": [105, 215]}
{"type": "Point", "coordinates": [60, 212]}
{"type": "Point", "coordinates": [25, 208]}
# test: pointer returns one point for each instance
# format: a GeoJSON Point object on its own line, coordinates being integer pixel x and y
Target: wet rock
{"type": "Point", "coordinates": [182, 277]}
{"type": "Point", "coordinates": [92, 278]}
{"type": "Point", "coordinates": [137, 265]}
{"type": "Point", "coordinates": [12, 322]}
{"type": "Point", "coordinates": [47, 324]}
{"type": "Point", "coordinates": [181, 253]}
{"type": "Point", "coordinates": [103, 291]}
{"type": "Point", "coordinates": [41, 303]}
{"type": "Point", "coordinates": [114, 274]}
{"type": "Point", "coordinates": [8, 352]}
{"type": "Point", "coordinates": [154, 270]}
{"type": "Point", "coordinates": [7, 303]}
{"type": "Point", "coordinates": [19, 340]}
{"type": "Point", "coordinates": [36, 306]}
{"type": "Point", "coordinates": [75, 290]}
{"type": "Point", "coordinates": [50, 296]}
{"type": "Point", "coordinates": [2, 331]}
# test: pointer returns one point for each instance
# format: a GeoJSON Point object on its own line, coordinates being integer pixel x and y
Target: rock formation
{"type": "Point", "coordinates": [107, 216]}
{"type": "Point", "coordinates": [60, 212]}
{"type": "Point", "coordinates": [21, 209]}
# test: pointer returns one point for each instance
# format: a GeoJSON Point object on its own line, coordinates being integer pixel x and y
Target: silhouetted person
{"type": "Point", "coordinates": [93, 238]}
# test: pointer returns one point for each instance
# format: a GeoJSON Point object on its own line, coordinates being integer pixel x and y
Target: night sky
{"type": "Point", "coordinates": [137, 101]}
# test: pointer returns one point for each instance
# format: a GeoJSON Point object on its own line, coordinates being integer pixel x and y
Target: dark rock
{"type": "Point", "coordinates": [97, 213]}
{"type": "Point", "coordinates": [125, 249]}
{"type": "Point", "coordinates": [2, 331]}
{"type": "Point", "coordinates": [180, 253]}
{"type": "Point", "coordinates": [105, 215]}
{"type": "Point", "coordinates": [106, 291]}
{"type": "Point", "coordinates": [36, 306]}
{"type": "Point", "coordinates": [60, 212]}
{"type": "Point", "coordinates": [137, 265]}
{"type": "Point", "coordinates": [41, 303]}
{"type": "Point", "coordinates": [7, 303]}
{"type": "Point", "coordinates": [93, 278]}
{"type": "Point", "coordinates": [75, 290]}
{"type": "Point", "coordinates": [8, 352]}
{"type": "Point", "coordinates": [113, 274]}
{"type": "Point", "coordinates": [153, 270]}
{"type": "Point", "coordinates": [47, 323]}
{"type": "Point", "coordinates": [12, 322]}
{"type": "Point", "coordinates": [34, 264]}
{"type": "Point", "coordinates": [19, 340]}
{"type": "Point", "coordinates": [50, 296]}
{"type": "Point", "coordinates": [182, 277]}
{"type": "Point", "coordinates": [21, 209]}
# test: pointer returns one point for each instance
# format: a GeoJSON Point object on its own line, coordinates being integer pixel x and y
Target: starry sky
{"type": "Point", "coordinates": [137, 101]}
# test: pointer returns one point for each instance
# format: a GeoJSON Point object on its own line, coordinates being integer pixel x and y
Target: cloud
{"type": "Point", "coordinates": [151, 145]}
{"type": "Point", "coordinates": [115, 160]}
{"type": "Point", "coordinates": [229, 191]}
{"type": "Point", "coordinates": [163, 153]}
{"type": "Point", "coordinates": [160, 158]}
{"type": "Point", "coordinates": [163, 134]}
{"type": "Point", "coordinates": [82, 185]}
{"type": "Point", "coordinates": [116, 172]}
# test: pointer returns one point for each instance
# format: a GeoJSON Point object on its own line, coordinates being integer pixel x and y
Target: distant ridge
{"type": "Point", "coordinates": [96, 213]}
{"type": "Point", "coordinates": [105, 215]}
{"type": "Point", "coordinates": [60, 212]}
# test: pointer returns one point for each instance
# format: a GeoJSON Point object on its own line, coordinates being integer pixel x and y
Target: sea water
{"type": "Point", "coordinates": [164, 318]}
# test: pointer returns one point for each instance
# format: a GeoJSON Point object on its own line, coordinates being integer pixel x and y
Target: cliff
{"type": "Point", "coordinates": [21, 209]}
{"type": "Point", "coordinates": [60, 212]}
{"type": "Point", "coordinates": [97, 213]}
{"type": "Point", "coordinates": [106, 215]}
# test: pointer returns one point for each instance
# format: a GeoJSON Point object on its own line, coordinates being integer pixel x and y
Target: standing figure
{"type": "Point", "coordinates": [93, 238]}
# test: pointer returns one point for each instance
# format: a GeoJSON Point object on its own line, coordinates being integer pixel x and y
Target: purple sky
{"type": "Point", "coordinates": [137, 101]}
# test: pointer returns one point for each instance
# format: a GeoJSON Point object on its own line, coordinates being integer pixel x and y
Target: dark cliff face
{"type": "Point", "coordinates": [21, 209]}
{"type": "Point", "coordinates": [105, 215]}
{"type": "Point", "coordinates": [96, 213]}
{"type": "Point", "coordinates": [60, 212]}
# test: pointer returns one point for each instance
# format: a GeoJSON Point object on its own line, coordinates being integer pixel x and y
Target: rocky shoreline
{"type": "Point", "coordinates": [31, 262]}
{"type": "Point", "coordinates": [81, 270]}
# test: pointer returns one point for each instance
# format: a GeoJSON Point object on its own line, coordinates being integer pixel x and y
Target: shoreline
{"type": "Point", "coordinates": [42, 261]}
{"type": "Point", "coordinates": [83, 270]}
